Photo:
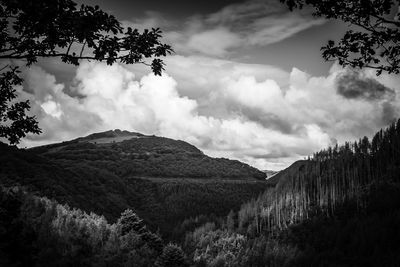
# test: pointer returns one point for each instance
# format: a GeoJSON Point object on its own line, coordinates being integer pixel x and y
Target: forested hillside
{"type": "Point", "coordinates": [109, 172]}
{"type": "Point", "coordinates": [332, 177]}
{"type": "Point", "coordinates": [128, 154]}
{"type": "Point", "coordinates": [341, 207]}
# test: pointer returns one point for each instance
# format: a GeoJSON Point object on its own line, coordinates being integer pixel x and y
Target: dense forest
{"type": "Point", "coordinates": [128, 154]}
{"type": "Point", "coordinates": [341, 207]}
{"type": "Point", "coordinates": [330, 178]}
{"type": "Point", "coordinates": [115, 174]}
{"type": "Point", "coordinates": [36, 231]}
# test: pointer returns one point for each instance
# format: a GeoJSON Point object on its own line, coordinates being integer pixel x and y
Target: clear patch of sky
{"type": "Point", "coordinates": [301, 50]}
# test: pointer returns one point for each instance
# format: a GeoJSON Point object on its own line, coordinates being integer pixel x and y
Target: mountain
{"type": "Point", "coordinates": [164, 180]}
{"type": "Point", "coordinates": [129, 154]}
{"type": "Point", "coordinates": [270, 173]}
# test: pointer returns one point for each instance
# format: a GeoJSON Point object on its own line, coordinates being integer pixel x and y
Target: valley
{"type": "Point", "coordinates": [218, 211]}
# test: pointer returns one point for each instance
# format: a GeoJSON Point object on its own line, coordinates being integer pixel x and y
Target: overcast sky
{"type": "Point", "coordinates": [247, 82]}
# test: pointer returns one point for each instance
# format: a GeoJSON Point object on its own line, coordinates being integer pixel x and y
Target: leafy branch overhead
{"type": "Point", "coordinates": [374, 42]}
{"type": "Point", "coordinates": [32, 29]}
{"type": "Point", "coordinates": [14, 122]}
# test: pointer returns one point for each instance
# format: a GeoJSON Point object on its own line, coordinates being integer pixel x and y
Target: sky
{"type": "Point", "coordinates": [246, 82]}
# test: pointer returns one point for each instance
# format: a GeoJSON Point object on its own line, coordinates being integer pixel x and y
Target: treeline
{"type": "Point", "coordinates": [341, 207]}
{"type": "Point", "coordinates": [36, 231]}
{"type": "Point", "coordinates": [347, 238]}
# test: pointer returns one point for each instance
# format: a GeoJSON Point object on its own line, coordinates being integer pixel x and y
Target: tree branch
{"type": "Point", "coordinates": [69, 47]}
{"type": "Point", "coordinates": [83, 47]}
{"type": "Point", "coordinates": [6, 66]}
{"type": "Point", "coordinates": [382, 19]}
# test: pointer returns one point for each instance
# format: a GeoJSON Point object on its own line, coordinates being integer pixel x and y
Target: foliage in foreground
{"type": "Point", "coordinates": [39, 232]}
{"type": "Point", "coordinates": [372, 42]}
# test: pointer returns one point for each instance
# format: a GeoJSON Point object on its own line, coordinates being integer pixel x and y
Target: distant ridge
{"type": "Point", "coordinates": [136, 154]}
{"type": "Point", "coordinates": [116, 135]}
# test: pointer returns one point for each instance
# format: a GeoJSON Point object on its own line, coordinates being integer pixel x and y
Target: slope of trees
{"type": "Point", "coordinates": [327, 180]}
{"type": "Point", "coordinates": [93, 186]}
{"type": "Point", "coordinates": [36, 231]}
{"type": "Point", "coordinates": [148, 156]}
{"type": "Point", "coordinates": [341, 207]}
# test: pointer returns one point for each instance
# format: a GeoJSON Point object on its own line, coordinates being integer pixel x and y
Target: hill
{"type": "Point", "coordinates": [129, 154]}
{"type": "Point", "coordinates": [282, 177]}
{"type": "Point", "coordinates": [165, 181]}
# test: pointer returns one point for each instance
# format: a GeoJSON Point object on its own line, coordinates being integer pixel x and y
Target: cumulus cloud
{"type": "Point", "coordinates": [60, 115]}
{"type": "Point", "coordinates": [255, 113]}
{"type": "Point", "coordinates": [111, 97]}
{"type": "Point", "coordinates": [246, 24]}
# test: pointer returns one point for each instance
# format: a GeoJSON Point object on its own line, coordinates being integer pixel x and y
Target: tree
{"type": "Point", "coordinates": [32, 29]}
{"type": "Point", "coordinates": [373, 43]}
{"type": "Point", "coordinates": [130, 222]}
{"type": "Point", "coordinates": [230, 221]}
{"type": "Point", "coordinates": [14, 123]}
{"type": "Point", "coordinates": [172, 256]}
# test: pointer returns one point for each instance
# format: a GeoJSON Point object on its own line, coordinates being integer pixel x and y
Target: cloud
{"type": "Point", "coordinates": [236, 26]}
{"type": "Point", "coordinates": [361, 85]}
{"type": "Point", "coordinates": [60, 115]}
{"type": "Point", "coordinates": [52, 108]}
{"type": "Point", "coordinates": [255, 113]}
{"type": "Point", "coordinates": [214, 42]}
{"type": "Point", "coordinates": [262, 22]}
{"type": "Point", "coordinates": [352, 84]}
{"type": "Point", "coordinates": [112, 97]}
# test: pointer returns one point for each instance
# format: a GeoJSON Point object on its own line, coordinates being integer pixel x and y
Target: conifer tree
{"type": "Point", "coordinates": [172, 256]}
{"type": "Point", "coordinates": [129, 222]}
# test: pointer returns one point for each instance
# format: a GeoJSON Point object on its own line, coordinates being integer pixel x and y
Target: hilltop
{"type": "Point", "coordinates": [130, 154]}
